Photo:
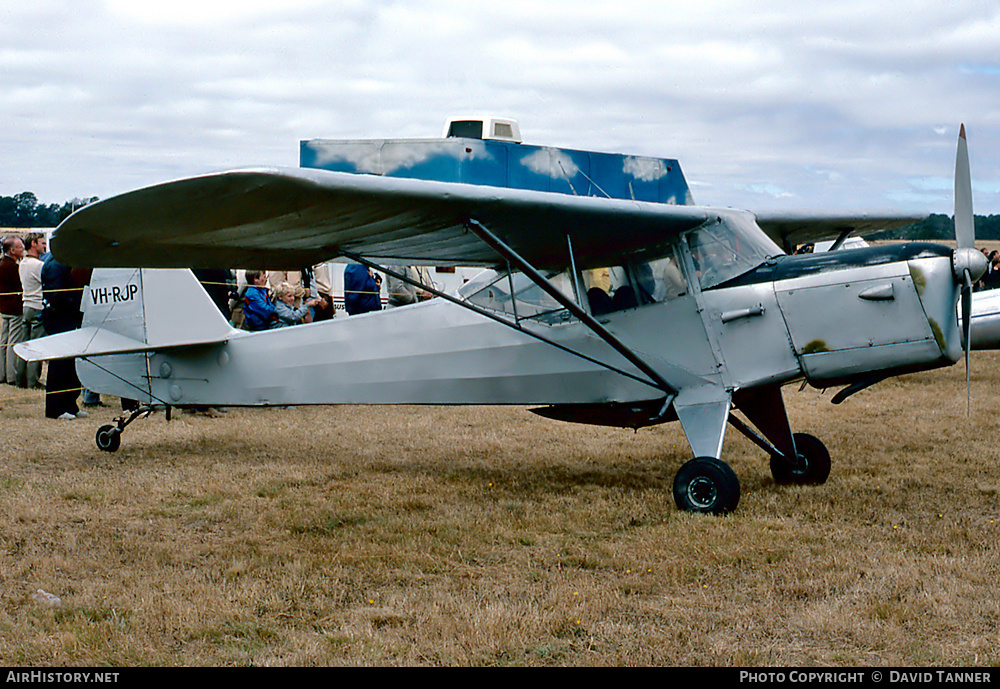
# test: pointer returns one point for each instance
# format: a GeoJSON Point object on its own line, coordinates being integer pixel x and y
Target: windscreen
{"type": "Point", "coordinates": [728, 247]}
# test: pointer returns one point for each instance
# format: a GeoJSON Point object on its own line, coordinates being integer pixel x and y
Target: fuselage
{"type": "Point", "coordinates": [830, 319]}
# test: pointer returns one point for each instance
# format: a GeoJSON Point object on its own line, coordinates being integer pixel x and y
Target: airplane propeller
{"type": "Point", "coordinates": [968, 264]}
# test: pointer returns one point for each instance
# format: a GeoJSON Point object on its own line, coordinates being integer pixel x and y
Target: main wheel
{"type": "Point", "coordinates": [810, 467]}
{"type": "Point", "coordinates": [706, 485]}
{"type": "Point", "coordinates": [109, 438]}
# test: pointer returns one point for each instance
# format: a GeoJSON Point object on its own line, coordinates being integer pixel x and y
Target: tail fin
{"type": "Point", "coordinates": [136, 310]}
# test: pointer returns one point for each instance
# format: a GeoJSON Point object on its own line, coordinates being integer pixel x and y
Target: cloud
{"type": "Point", "coordinates": [645, 169]}
{"type": "Point", "coordinates": [100, 97]}
{"type": "Point", "coordinates": [551, 163]}
{"type": "Point", "coordinates": [767, 190]}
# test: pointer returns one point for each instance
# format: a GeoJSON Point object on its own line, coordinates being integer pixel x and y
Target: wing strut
{"type": "Point", "coordinates": [839, 242]}
{"type": "Point", "coordinates": [492, 316]}
{"type": "Point", "coordinates": [546, 286]}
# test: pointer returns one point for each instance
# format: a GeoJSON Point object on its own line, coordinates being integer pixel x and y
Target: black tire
{"type": "Point", "coordinates": [706, 485]}
{"type": "Point", "coordinates": [109, 438]}
{"type": "Point", "coordinates": [811, 466]}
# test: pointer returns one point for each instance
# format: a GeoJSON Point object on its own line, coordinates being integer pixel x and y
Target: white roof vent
{"type": "Point", "coordinates": [492, 128]}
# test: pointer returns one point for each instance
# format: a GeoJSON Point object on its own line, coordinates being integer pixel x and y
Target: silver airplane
{"type": "Point", "coordinates": [596, 310]}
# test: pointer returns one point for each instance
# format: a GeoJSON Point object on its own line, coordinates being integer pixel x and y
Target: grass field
{"type": "Point", "coordinates": [489, 536]}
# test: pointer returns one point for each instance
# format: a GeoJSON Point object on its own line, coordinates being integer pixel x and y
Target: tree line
{"type": "Point", "coordinates": [23, 210]}
{"type": "Point", "coordinates": [942, 227]}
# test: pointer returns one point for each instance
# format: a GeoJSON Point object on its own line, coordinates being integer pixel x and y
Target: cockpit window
{"type": "Point", "coordinates": [492, 290]}
{"type": "Point", "coordinates": [608, 290]}
{"type": "Point", "coordinates": [636, 284]}
{"type": "Point", "coordinates": [721, 250]}
{"type": "Point", "coordinates": [660, 280]}
{"type": "Point", "coordinates": [727, 248]}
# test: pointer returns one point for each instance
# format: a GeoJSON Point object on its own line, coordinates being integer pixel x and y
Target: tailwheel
{"type": "Point", "coordinates": [109, 438]}
{"type": "Point", "coordinates": [809, 467]}
{"type": "Point", "coordinates": [706, 485]}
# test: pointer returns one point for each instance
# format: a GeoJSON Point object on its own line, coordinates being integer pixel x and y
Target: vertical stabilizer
{"type": "Point", "coordinates": [136, 310]}
{"type": "Point", "coordinates": [158, 307]}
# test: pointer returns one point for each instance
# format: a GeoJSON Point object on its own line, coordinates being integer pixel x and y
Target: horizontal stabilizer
{"type": "Point", "coordinates": [82, 342]}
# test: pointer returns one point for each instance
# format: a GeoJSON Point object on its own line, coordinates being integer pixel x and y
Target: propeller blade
{"type": "Point", "coordinates": [968, 265]}
{"type": "Point", "coordinates": [967, 337]}
{"type": "Point", "coordinates": [965, 232]}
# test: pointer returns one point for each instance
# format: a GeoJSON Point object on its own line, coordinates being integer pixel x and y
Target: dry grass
{"type": "Point", "coordinates": [488, 536]}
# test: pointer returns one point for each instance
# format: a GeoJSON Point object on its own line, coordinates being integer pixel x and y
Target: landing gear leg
{"type": "Point", "coordinates": [705, 484]}
{"type": "Point", "coordinates": [109, 437]}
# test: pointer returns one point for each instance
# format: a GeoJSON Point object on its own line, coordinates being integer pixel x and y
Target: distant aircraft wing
{"type": "Point", "coordinates": [296, 217]}
{"type": "Point", "coordinates": [792, 229]}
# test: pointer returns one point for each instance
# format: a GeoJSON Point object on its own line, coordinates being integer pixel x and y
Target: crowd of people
{"type": "Point", "coordinates": [263, 300]}
{"type": "Point", "coordinates": [21, 305]}
{"type": "Point", "coordinates": [40, 296]}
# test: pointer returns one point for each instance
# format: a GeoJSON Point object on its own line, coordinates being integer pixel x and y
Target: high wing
{"type": "Point", "coordinates": [788, 230]}
{"type": "Point", "coordinates": [291, 218]}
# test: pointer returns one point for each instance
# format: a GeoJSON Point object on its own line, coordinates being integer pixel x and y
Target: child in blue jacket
{"type": "Point", "coordinates": [258, 311]}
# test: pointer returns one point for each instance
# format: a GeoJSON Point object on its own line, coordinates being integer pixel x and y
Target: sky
{"type": "Point", "coordinates": [768, 106]}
